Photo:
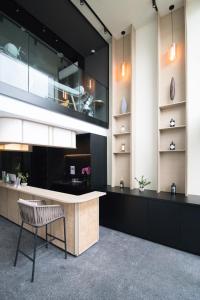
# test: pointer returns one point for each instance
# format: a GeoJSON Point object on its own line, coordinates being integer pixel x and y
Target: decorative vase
{"type": "Point", "coordinates": [123, 105]}
{"type": "Point", "coordinates": [141, 189]}
{"type": "Point", "coordinates": [172, 89]}
{"type": "Point", "coordinates": [24, 183]}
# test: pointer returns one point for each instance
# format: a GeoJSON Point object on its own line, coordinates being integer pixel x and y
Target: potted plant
{"type": "Point", "coordinates": [23, 178]}
{"type": "Point", "coordinates": [142, 183]}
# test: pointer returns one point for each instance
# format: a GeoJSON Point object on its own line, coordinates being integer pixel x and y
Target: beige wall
{"type": "Point", "coordinates": [193, 94]}
{"type": "Point", "coordinates": [145, 117]}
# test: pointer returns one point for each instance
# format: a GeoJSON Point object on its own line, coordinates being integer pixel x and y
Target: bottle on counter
{"type": "Point", "coordinates": [173, 189]}
{"type": "Point", "coordinates": [4, 176]}
{"type": "Point", "coordinates": [7, 178]}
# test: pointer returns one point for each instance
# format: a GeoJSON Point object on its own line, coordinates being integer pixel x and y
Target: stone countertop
{"type": "Point", "coordinates": [53, 195]}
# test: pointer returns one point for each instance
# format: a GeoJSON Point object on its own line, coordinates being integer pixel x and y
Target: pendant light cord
{"type": "Point", "coordinates": [172, 27]}
{"type": "Point", "coordinates": [123, 48]}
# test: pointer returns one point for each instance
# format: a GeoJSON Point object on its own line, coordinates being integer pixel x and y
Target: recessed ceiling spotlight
{"type": "Point", "coordinates": [23, 29]}
{"type": "Point", "coordinates": [82, 2]}
{"type": "Point", "coordinates": [56, 40]}
{"type": "Point", "coordinates": [92, 51]}
{"type": "Point", "coordinates": [17, 10]}
{"type": "Point", "coordinates": [43, 29]}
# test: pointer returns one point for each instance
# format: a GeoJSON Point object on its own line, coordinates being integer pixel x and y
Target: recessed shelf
{"type": "Point", "coordinates": [171, 128]}
{"type": "Point", "coordinates": [121, 115]}
{"type": "Point", "coordinates": [125, 152]}
{"type": "Point", "coordinates": [172, 151]}
{"type": "Point", "coordinates": [122, 133]}
{"type": "Point", "coordinates": [169, 106]}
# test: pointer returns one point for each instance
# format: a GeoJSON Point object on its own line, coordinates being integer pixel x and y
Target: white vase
{"type": "Point", "coordinates": [141, 189]}
{"type": "Point", "coordinates": [123, 105]}
{"type": "Point", "coordinates": [24, 183]}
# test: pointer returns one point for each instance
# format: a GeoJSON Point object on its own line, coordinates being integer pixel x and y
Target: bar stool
{"type": "Point", "coordinates": [37, 214]}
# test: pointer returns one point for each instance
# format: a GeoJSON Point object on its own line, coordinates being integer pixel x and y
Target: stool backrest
{"type": "Point", "coordinates": [28, 211]}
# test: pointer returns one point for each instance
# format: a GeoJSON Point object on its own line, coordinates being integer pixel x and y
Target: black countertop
{"type": "Point", "coordinates": [178, 198]}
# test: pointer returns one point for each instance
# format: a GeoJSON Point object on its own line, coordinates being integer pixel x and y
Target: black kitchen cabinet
{"type": "Point", "coordinates": [91, 151]}
{"type": "Point", "coordinates": [173, 221]}
{"type": "Point", "coordinates": [190, 229]}
{"type": "Point", "coordinates": [164, 223]}
{"type": "Point", "coordinates": [110, 211]}
{"type": "Point", "coordinates": [124, 213]}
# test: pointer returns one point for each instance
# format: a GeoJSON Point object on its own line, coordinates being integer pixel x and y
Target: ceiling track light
{"type": "Point", "coordinates": [154, 5]}
{"type": "Point", "coordinates": [84, 2]}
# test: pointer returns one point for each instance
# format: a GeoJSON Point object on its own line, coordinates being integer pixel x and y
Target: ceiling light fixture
{"type": "Point", "coordinates": [82, 2]}
{"type": "Point", "coordinates": [172, 50]}
{"type": "Point", "coordinates": [123, 62]}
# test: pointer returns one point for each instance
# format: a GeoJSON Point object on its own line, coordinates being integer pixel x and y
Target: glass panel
{"type": "Point", "coordinates": [93, 103]}
{"type": "Point", "coordinates": [13, 54]}
{"type": "Point", "coordinates": [52, 76]}
{"type": "Point", "coordinates": [100, 102]}
{"type": "Point", "coordinates": [67, 86]}
{"type": "Point", "coordinates": [30, 64]}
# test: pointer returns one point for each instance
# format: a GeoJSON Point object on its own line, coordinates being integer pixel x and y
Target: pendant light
{"type": "Point", "coordinates": [172, 50]}
{"type": "Point", "coordinates": [123, 71]}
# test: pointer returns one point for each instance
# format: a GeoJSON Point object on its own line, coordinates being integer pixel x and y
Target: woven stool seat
{"type": "Point", "coordinates": [37, 213]}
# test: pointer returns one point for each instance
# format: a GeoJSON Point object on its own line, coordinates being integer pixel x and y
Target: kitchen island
{"type": "Point", "coordinates": [81, 212]}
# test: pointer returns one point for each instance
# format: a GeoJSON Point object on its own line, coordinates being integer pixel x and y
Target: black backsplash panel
{"type": "Point", "coordinates": [11, 160]}
{"type": "Point", "coordinates": [49, 168]}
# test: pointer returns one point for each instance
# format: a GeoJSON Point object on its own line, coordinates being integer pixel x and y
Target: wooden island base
{"type": "Point", "coordinates": [82, 216]}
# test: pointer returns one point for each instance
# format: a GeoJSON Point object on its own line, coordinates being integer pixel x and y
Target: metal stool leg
{"type": "Point", "coordinates": [46, 236]}
{"type": "Point", "coordinates": [18, 243]}
{"type": "Point", "coordinates": [34, 253]}
{"type": "Point", "coordinates": [65, 238]}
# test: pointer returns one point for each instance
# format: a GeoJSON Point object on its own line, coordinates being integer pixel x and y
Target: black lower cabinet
{"type": "Point", "coordinates": [172, 223]}
{"type": "Point", "coordinates": [190, 229]}
{"type": "Point", "coordinates": [164, 223]}
{"type": "Point", "coordinates": [110, 211]}
{"type": "Point", "coordinates": [124, 213]}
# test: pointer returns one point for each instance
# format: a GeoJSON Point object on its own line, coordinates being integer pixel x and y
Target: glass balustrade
{"type": "Point", "coordinates": [29, 64]}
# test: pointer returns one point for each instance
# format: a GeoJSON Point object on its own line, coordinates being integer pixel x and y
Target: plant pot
{"type": "Point", "coordinates": [24, 183]}
{"type": "Point", "coordinates": [141, 189]}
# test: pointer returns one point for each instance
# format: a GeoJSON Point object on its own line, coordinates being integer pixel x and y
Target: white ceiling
{"type": "Point", "coordinates": [118, 15]}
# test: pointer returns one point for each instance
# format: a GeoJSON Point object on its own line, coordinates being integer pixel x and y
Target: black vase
{"type": "Point", "coordinates": [172, 89]}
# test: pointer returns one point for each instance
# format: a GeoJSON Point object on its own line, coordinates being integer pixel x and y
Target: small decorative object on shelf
{"type": "Point", "coordinates": [123, 105]}
{"type": "Point", "coordinates": [142, 183]}
{"type": "Point", "coordinates": [173, 189]}
{"type": "Point", "coordinates": [123, 128]}
{"type": "Point", "coordinates": [23, 178]}
{"type": "Point", "coordinates": [172, 146]}
{"type": "Point", "coordinates": [172, 123]}
{"type": "Point", "coordinates": [121, 183]}
{"type": "Point", "coordinates": [122, 147]}
{"type": "Point", "coordinates": [172, 89]}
